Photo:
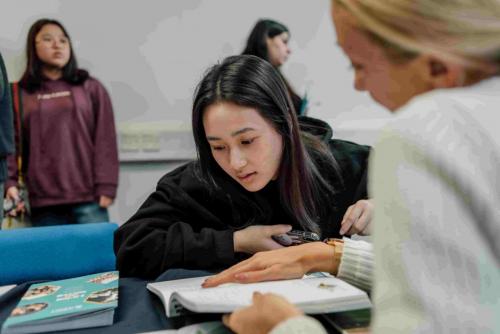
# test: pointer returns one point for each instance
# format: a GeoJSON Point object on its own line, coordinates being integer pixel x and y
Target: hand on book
{"type": "Point", "coordinates": [267, 311]}
{"type": "Point", "coordinates": [357, 218]}
{"type": "Point", "coordinates": [284, 263]}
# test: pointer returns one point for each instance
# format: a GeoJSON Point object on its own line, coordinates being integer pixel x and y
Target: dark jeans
{"type": "Point", "coordinates": [80, 213]}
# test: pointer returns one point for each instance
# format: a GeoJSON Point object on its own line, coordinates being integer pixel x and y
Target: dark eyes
{"type": "Point", "coordinates": [243, 142]}
{"type": "Point", "coordinates": [248, 141]}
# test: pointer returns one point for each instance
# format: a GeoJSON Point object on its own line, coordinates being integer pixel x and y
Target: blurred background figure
{"type": "Point", "coordinates": [269, 40]}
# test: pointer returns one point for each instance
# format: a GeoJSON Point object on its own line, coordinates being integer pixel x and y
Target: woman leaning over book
{"type": "Point", "coordinates": [260, 172]}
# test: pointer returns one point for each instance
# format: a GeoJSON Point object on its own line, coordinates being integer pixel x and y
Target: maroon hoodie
{"type": "Point", "coordinates": [69, 142]}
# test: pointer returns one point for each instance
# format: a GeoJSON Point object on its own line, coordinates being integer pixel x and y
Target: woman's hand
{"type": "Point", "coordinates": [267, 311]}
{"type": "Point", "coordinates": [105, 201]}
{"type": "Point", "coordinates": [13, 194]}
{"type": "Point", "coordinates": [357, 218]}
{"type": "Point", "coordinates": [284, 263]}
{"type": "Point", "coordinates": [257, 238]}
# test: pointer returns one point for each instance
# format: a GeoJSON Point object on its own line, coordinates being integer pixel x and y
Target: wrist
{"type": "Point", "coordinates": [318, 258]}
{"type": "Point", "coordinates": [337, 245]}
{"type": "Point", "coordinates": [236, 241]}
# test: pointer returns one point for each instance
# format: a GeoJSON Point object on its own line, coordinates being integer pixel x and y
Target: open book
{"type": "Point", "coordinates": [311, 294]}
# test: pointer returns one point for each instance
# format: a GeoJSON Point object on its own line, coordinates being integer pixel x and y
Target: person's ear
{"type": "Point", "coordinates": [444, 74]}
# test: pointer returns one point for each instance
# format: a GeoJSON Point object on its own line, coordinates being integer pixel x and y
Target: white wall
{"type": "Point", "coordinates": [137, 181]}
{"type": "Point", "coordinates": [151, 54]}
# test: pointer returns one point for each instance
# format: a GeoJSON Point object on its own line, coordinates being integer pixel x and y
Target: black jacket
{"type": "Point", "coordinates": [186, 224]}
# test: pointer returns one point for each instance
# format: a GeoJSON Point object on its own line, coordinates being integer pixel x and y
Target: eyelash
{"type": "Point", "coordinates": [248, 141]}
{"type": "Point", "coordinates": [244, 142]}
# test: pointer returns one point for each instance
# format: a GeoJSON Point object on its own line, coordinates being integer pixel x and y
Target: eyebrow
{"type": "Point", "coordinates": [235, 133]}
{"type": "Point", "coordinates": [54, 36]}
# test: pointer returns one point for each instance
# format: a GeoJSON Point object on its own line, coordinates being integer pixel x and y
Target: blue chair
{"type": "Point", "coordinates": [55, 252]}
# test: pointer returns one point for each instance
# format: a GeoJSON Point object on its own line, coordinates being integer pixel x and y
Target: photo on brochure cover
{"type": "Point", "coordinates": [103, 296]}
{"type": "Point", "coordinates": [28, 309]}
{"type": "Point", "coordinates": [41, 291]}
{"type": "Point", "coordinates": [104, 278]}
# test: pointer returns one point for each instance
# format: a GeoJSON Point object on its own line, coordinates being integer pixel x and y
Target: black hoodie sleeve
{"type": "Point", "coordinates": [179, 225]}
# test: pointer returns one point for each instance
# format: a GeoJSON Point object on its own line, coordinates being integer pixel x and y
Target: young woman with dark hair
{"type": "Point", "coordinates": [70, 158]}
{"type": "Point", "coordinates": [260, 172]}
{"type": "Point", "coordinates": [269, 40]}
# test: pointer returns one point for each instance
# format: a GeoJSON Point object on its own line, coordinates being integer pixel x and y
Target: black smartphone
{"type": "Point", "coordinates": [295, 237]}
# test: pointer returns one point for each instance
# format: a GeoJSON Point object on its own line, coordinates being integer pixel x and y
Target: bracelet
{"type": "Point", "coordinates": [338, 249]}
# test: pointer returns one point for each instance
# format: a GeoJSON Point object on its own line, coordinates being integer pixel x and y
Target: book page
{"type": "Point", "coordinates": [307, 294]}
{"type": "Point", "coordinates": [165, 289]}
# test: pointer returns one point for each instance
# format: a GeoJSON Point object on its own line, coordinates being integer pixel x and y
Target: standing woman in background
{"type": "Point", "coordinates": [70, 158]}
{"type": "Point", "coordinates": [269, 40]}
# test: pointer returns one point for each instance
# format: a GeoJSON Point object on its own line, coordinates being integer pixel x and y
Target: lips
{"type": "Point", "coordinates": [244, 177]}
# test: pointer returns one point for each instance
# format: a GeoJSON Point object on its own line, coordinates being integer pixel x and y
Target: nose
{"type": "Point", "coordinates": [57, 44]}
{"type": "Point", "coordinates": [237, 160]}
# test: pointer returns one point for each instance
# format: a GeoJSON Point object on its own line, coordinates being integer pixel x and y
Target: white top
{"type": "Point", "coordinates": [356, 263]}
{"type": "Point", "coordinates": [299, 325]}
{"type": "Point", "coordinates": [435, 176]}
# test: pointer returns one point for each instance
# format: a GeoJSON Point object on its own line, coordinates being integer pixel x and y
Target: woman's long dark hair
{"type": "Point", "coordinates": [257, 46]}
{"type": "Point", "coordinates": [252, 82]}
{"type": "Point", "coordinates": [33, 76]}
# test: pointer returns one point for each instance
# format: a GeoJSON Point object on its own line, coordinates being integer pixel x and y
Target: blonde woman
{"type": "Point", "coordinates": [435, 173]}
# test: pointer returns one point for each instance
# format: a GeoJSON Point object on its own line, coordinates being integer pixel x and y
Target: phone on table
{"type": "Point", "coordinates": [295, 237]}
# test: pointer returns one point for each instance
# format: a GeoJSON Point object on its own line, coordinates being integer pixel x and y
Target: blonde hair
{"type": "Point", "coordinates": [461, 31]}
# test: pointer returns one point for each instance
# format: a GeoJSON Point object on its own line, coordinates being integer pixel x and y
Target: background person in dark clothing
{"type": "Point", "coordinates": [257, 175]}
{"type": "Point", "coordinates": [6, 130]}
{"type": "Point", "coordinates": [69, 142]}
{"type": "Point", "coordinates": [269, 40]}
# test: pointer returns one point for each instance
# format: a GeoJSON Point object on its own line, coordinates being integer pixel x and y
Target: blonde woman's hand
{"type": "Point", "coordinates": [284, 263]}
{"type": "Point", "coordinates": [358, 217]}
{"type": "Point", "coordinates": [257, 238]}
{"type": "Point", "coordinates": [266, 311]}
